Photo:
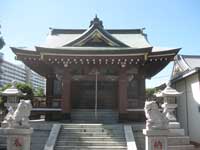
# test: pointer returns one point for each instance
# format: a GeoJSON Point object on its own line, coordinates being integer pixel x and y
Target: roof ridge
{"type": "Point", "coordinates": [90, 32]}
{"type": "Point", "coordinates": [54, 31]}
{"type": "Point", "coordinates": [196, 56]}
{"type": "Point", "coordinates": [185, 63]}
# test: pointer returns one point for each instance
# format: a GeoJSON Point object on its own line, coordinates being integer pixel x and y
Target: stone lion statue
{"type": "Point", "coordinates": [155, 119]}
{"type": "Point", "coordinates": [20, 117]}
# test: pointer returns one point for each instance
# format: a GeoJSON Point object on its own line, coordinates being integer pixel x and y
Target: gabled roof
{"type": "Point", "coordinates": [188, 62]}
{"type": "Point", "coordinates": [185, 65]}
{"type": "Point", "coordinates": [96, 33]}
{"type": "Point", "coordinates": [98, 42]}
{"type": "Point", "coordinates": [134, 38]}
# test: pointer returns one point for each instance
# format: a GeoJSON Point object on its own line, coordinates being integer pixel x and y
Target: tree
{"type": "Point", "coordinates": [2, 98]}
{"type": "Point", "coordinates": [2, 42]}
{"type": "Point", "coordinates": [150, 93]}
{"type": "Point", "coordinates": [27, 89]}
{"type": "Point", "coordinates": [39, 92]}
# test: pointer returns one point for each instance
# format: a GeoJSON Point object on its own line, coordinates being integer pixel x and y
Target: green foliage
{"type": "Point", "coordinates": [2, 43]}
{"type": "Point", "coordinates": [2, 98]}
{"type": "Point", "coordinates": [5, 87]}
{"type": "Point", "coordinates": [27, 89]}
{"type": "Point", "coordinates": [150, 92]}
{"type": "Point", "coordinates": [39, 92]}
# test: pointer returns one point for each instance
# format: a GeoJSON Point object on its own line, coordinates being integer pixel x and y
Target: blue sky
{"type": "Point", "coordinates": [168, 23]}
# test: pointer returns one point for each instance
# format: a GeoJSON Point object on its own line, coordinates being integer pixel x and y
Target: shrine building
{"type": "Point", "coordinates": [96, 69]}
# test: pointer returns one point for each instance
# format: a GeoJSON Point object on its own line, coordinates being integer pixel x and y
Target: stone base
{"type": "Point", "coordinates": [175, 132]}
{"type": "Point", "coordinates": [156, 139]}
{"type": "Point", "coordinates": [155, 132]}
{"type": "Point", "coordinates": [17, 139]}
{"type": "Point", "coordinates": [174, 125]}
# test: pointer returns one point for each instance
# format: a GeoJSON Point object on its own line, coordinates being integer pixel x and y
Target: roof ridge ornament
{"type": "Point", "coordinates": [96, 22]}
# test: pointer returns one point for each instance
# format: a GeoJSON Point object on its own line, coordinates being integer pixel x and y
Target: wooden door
{"type": "Point", "coordinates": [83, 95]}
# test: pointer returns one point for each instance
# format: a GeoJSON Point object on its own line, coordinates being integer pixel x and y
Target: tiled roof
{"type": "Point", "coordinates": [131, 37]}
{"type": "Point", "coordinates": [188, 62]}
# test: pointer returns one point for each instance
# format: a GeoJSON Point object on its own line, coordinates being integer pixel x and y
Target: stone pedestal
{"type": "Point", "coordinates": [17, 139]}
{"type": "Point", "coordinates": [156, 139]}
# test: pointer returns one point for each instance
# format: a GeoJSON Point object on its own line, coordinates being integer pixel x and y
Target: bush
{"type": "Point", "coordinates": [27, 89]}
{"type": "Point", "coordinates": [150, 93]}
{"type": "Point", "coordinates": [39, 92]}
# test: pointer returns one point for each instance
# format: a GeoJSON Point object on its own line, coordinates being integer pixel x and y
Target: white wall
{"type": "Point", "coordinates": [190, 101]}
{"type": "Point", "coordinates": [182, 105]}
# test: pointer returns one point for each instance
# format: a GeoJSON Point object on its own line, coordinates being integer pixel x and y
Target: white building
{"type": "Point", "coordinates": [186, 79]}
{"type": "Point", "coordinates": [23, 74]}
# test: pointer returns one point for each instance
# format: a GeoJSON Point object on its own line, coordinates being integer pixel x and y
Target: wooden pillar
{"type": "Point", "coordinates": [66, 94]}
{"type": "Point", "coordinates": [122, 96]}
{"type": "Point", "coordinates": [141, 87]}
{"type": "Point", "coordinates": [49, 90]}
{"type": "Point", "coordinates": [142, 93]}
{"type": "Point", "coordinates": [49, 96]}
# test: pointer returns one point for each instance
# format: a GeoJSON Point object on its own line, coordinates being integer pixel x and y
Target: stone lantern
{"type": "Point", "coordinates": [169, 94]}
{"type": "Point", "coordinates": [12, 95]}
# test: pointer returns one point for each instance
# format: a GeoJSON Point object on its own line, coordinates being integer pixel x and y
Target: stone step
{"type": "Point", "coordinates": [120, 134]}
{"type": "Point", "coordinates": [97, 130]}
{"type": "Point", "coordinates": [90, 147]}
{"type": "Point", "coordinates": [78, 115]}
{"type": "Point", "coordinates": [101, 129]}
{"type": "Point", "coordinates": [80, 139]}
{"type": "Point", "coordinates": [90, 143]}
{"type": "Point", "coordinates": [181, 147]}
{"type": "Point", "coordinates": [98, 125]}
{"type": "Point", "coordinates": [180, 140]}
{"type": "Point", "coordinates": [94, 121]}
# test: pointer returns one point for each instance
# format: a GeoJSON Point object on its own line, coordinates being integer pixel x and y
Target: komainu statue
{"type": "Point", "coordinates": [155, 119]}
{"type": "Point", "coordinates": [20, 117]}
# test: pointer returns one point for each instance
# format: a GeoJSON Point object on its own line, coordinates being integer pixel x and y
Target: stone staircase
{"type": "Point", "coordinates": [88, 116]}
{"type": "Point", "coordinates": [91, 136]}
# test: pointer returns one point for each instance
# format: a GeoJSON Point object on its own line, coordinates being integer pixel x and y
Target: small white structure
{"type": "Point", "coordinates": [186, 78]}
{"type": "Point", "coordinates": [169, 94]}
{"type": "Point", "coordinates": [12, 95]}
{"type": "Point", "coordinates": [156, 131]}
